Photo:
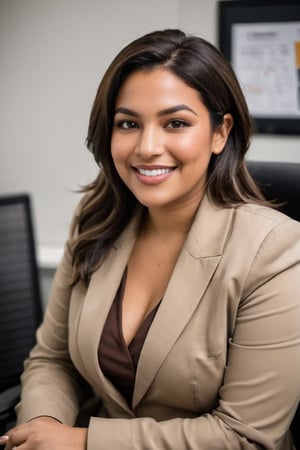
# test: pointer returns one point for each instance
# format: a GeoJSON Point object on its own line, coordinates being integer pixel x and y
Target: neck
{"type": "Point", "coordinates": [170, 222]}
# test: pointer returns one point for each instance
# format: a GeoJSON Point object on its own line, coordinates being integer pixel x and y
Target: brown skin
{"type": "Point", "coordinates": [45, 433]}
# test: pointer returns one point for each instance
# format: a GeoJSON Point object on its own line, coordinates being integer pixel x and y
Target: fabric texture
{"type": "Point", "coordinates": [220, 366]}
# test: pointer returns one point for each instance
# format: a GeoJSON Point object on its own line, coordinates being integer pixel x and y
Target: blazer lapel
{"type": "Point", "coordinates": [97, 303]}
{"type": "Point", "coordinates": [195, 266]}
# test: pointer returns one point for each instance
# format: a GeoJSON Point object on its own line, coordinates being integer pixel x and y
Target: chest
{"type": "Point", "coordinates": [149, 270]}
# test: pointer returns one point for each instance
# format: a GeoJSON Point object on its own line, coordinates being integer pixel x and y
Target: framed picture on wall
{"type": "Point", "coordinates": [261, 39]}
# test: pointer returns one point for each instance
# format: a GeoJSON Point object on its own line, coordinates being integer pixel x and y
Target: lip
{"type": "Point", "coordinates": [152, 175]}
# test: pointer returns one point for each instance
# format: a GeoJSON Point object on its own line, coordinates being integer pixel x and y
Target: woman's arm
{"type": "Point", "coordinates": [49, 372]}
{"type": "Point", "coordinates": [51, 385]}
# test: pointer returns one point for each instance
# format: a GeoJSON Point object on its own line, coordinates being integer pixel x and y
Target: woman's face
{"type": "Point", "coordinates": [162, 139]}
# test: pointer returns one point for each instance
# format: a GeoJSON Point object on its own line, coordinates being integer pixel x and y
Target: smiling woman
{"type": "Point", "coordinates": [162, 139]}
{"type": "Point", "coordinates": [177, 298]}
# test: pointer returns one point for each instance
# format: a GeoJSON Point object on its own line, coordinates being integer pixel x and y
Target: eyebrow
{"type": "Point", "coordinates": [163, 112]}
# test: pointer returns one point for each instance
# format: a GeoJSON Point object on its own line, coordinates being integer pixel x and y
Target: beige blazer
{"type": "Point", "coordinates": [220, 367]}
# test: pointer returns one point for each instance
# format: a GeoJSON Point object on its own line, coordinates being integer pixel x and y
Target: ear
{"type": "Point", "coordinates": [221, 134]}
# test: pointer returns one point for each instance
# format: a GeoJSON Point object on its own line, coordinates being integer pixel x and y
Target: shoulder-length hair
{"type": "Point", "coordinates": [108, 205]}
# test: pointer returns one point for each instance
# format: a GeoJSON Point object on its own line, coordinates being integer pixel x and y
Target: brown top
{"type": "Point", "coordinates": [118, 361]}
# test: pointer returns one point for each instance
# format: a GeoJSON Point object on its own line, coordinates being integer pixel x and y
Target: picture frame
{"type": "Point", "coordinates": [261, 39]}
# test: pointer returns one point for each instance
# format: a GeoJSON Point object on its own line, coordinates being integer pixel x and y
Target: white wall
{"type": "Point", "coordinates": [53, 54]}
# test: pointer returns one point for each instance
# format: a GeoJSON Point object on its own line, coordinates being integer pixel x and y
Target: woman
{"type": "Point", "coordinates": [177, 298]}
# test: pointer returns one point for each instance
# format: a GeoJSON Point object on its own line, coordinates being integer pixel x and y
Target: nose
{"type": "Point", "coordinates": [150, 142]}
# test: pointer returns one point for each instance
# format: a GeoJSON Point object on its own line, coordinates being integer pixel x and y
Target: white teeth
{"type": "Point", "coordinates": [154, 172]}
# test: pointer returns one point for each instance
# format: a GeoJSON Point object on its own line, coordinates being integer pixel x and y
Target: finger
{"type": "Point", "coordinates": [14, 437]}
{"type": "Point", "coordinates": [3, 440]}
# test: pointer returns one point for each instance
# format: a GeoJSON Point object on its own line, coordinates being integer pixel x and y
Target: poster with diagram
{"type": "Point", "coordinates": [266, 60]}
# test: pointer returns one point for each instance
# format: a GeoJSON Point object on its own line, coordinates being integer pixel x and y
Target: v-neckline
{"type": "Point", "coordinates": [146, 322]}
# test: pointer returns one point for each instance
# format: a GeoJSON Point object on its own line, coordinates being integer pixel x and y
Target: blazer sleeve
{"type": "Point", "coordinates": [261, 385]}
{"type": "Point", "coordinates": [50, 383]}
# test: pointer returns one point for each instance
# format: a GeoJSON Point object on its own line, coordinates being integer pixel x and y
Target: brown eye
{"type": "Point", "coordinates": [176, 124]}
{"type": "Point", "coordinates": [127, 124]}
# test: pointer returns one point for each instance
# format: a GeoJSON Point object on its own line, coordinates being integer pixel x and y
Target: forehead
{"type": "Point", "coordinates": [156, 86]}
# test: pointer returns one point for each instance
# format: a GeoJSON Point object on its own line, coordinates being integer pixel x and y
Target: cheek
{"type": "Point", "coordinates": [192, 147]}
{"type": "Point", "coordinates": [122, 147]}
{"type": "Point", "coordinates": [114, 146]}
{"type": "Point", "coordinates": [117, 150]}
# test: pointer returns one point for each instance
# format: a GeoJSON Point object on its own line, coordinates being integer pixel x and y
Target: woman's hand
{"type": "Point", "coordinates": [45, 433]}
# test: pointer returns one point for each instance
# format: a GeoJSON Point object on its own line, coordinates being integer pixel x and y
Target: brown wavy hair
{"type": "Point", "coordinates": [108, 204]}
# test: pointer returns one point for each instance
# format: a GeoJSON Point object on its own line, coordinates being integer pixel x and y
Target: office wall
{"type": "Point", "coordinates": [53, 53]}
{"type": "Point", "coordinates": [200, 17]}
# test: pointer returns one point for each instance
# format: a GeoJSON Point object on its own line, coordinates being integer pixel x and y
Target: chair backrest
{"type": "Point", "coordinates": [280, 181]}
{"type": "Point", "coordinates": [20, 302]}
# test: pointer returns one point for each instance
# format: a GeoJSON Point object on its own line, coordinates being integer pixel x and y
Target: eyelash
{"type": "Point", "coordinates": [182, 124]}
{"type": "Point", "coordinates": [130, 124]}
{"type": "Point", "coordinates": [121, 124]}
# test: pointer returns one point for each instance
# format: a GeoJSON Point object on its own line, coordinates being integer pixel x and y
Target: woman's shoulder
{"type": "Point", "coordinates": [270, 241]}
{"type": "Point", "coordinates": [268, 227]}
{"type": "Point", "coordinates": [255, 213]}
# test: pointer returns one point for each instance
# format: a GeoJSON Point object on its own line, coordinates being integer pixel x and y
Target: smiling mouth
{"type": "Point", "coordinates": [154, 172]}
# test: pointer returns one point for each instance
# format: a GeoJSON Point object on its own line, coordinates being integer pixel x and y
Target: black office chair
{"type": "Point", "coordinates": [20, 301]}
{"type": "Point", "coordinates": [281, 182]}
